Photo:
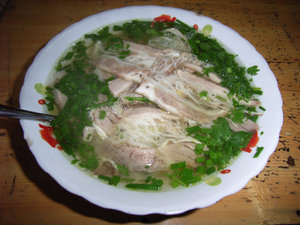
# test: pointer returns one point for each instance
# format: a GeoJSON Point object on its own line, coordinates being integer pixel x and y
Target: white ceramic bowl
{"type": "Point", "coordinates": [140, 203]}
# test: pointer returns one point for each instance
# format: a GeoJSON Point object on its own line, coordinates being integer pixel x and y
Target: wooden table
{"type": "Point", "coordinates": [30, 196]}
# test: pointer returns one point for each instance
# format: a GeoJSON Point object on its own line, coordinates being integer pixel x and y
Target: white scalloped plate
{"type": "Point", "coordinates": [141, 203]}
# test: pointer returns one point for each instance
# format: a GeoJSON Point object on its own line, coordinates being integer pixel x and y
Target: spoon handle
{"type": "Point", "coordinates": [6, 111]}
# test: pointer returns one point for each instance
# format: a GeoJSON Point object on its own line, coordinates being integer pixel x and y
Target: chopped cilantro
{"type": "Point", "coordinates": [237, 116]}
{"type": "Point", "coordinates": [49, 99]}
{"type": "Point", "coordinates": [140, 31]}
{"type": "Point", "coordinates": [114, 180]}
{"type": "Point", "coordinates": [222, 143]}
{"type": "Point", "coordinates": [199, 149]}
{"type": "Point", "coordinates": [200, 159]}
{"type": "Point", "coordinates": [111, 42]}
{"type": "Point", "coordinates": [203, 94]}
{"type": "Point", "coordinates": [142, 99]}
{"type": "Point", "coordinates": [102, 114]}
{"type": "Point", "coordinates": [123, 170]}
{"type": "Point", "coordinates": [182, 175]}
{"type": "Point", "coordinates": [252, 70]}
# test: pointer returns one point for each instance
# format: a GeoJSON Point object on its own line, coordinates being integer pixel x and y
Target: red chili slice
{"type": "Point", "coordinates": [48, 128]}
{"type": "Point", "coordinates": [196, 27]}
{"type": "Point", "coordinates": [42, 102]}
{"type": "Point", "coordinates": [47, 136]}
{"type": "Point", "coordinates": [252, 143]}
{"type": "Point", "coordinates": [247, 149]}
{"type": "Point", "coordinates": [163, 18]}
{"type": "Point", "coordinates": [225, 171]}
{"type": "Point", "coordinates": [253, 140]}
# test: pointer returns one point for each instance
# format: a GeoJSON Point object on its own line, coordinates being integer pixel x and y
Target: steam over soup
{"type": "Point", "coordinates": [151, 104]}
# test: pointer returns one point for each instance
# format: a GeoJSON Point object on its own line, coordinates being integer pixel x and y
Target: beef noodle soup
{"type": "Point", "coordinates": [152, 104]}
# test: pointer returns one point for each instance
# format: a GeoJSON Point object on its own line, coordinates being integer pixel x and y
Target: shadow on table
{"type": "Point", "coordinates": [48, 185]}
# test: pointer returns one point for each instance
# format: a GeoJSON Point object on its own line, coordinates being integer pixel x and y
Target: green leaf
{"type": "Point", "coordinates": [252, 70]}
{"type": "Point", "coordinates": [123, 169]}
{"type": "Point", "coordinates": [203, 94]}
{"type": "Point", "coordinates": [102, 114]}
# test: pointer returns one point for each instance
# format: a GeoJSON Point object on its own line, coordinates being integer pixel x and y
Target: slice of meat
{"type": "Point", "coordinates": [106, 168]}
{"type": "Point", "coordinates": [122, 69]}
{"type": "Point", "coordinates": [252, 102]}
{"type": "Point", "coordinates": [143, 49]}
{"type": "Point", "coordinates": [104, 126]}
{"type": "Point", "coordinates": [211, 76]}
{"type": "Point", "coordinates": [119, 87]}
{"type": "Point", "coordinates": [248, 126]}
{"type": "Point", "coordinates": [134, 158]}
{"type": "Point", "coordinates": [201, 84]}
{"type": "Point", "coordinates": [139, 137]}
{"type": "Point", "coordinates": [60, 98]}
{"type": "Point", "coordinates": [170, 101]}
{"type": "Point", "coordinates": [180, 152]}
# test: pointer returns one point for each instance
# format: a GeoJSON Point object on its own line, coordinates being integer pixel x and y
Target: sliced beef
{"type": "Point", "coordinates": [169, 98]}
{"type": "Point", "coordinates": [200, 84]}
{"type": "Point", "coordinates": [180, 152]}
{"type": "Point", "coordinates": [60, 98]}
{"type": "Point", "coordinates": [119, 87]}
{"type": "Point", "coordinates": [196, 68]}
{"type": "Point", "coordinates": [143, 138]}
{"type": "Point", "coordinates": [133, 157]}
{"type": "Point", "coordinates": [122, 69]}
{"type": "Point", "coordinates": [143, 49]}
{"type": "Point", "coordinates": [248, 126]}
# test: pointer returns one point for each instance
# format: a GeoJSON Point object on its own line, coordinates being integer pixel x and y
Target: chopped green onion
{"type": "Point", "coordinates": [142, 99]}
{"type": "Point", "coordinates": [252, 70]}
{"type": "Point", "coordinates": [258, 151]}
{"type": "Point", "coordinates": [262, 108]}
{"type": "Point", "coordinates": [114, 180]}
{"type": "Point", "coordinates": [123, 169]}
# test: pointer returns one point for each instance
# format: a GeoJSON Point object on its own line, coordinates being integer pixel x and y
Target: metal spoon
{"type": "Point", "coordinates": [6, 111]}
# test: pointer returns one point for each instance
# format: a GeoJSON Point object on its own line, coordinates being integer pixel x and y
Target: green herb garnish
{"type": "Point", "coordinates": [252, 70]}
{"type": "Point", "coordinates": [182, 175]}
{"type": "Point", "coordinates": [102, 114]}
{"type": "Point", "coordinates": [114, 180]}
{"type": "Point", "coordinates": [222, 143]}
{"type": "Point", "coordinates": [151, 184]}
{"type": "Point", "coordinates": [258, 151]}
{"type": "Point", "coordinates": [141, 99]}
{"type": "Point", "coordinates": [203, 94]}
{"type": "Point", "coordinates": [123, 169]}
